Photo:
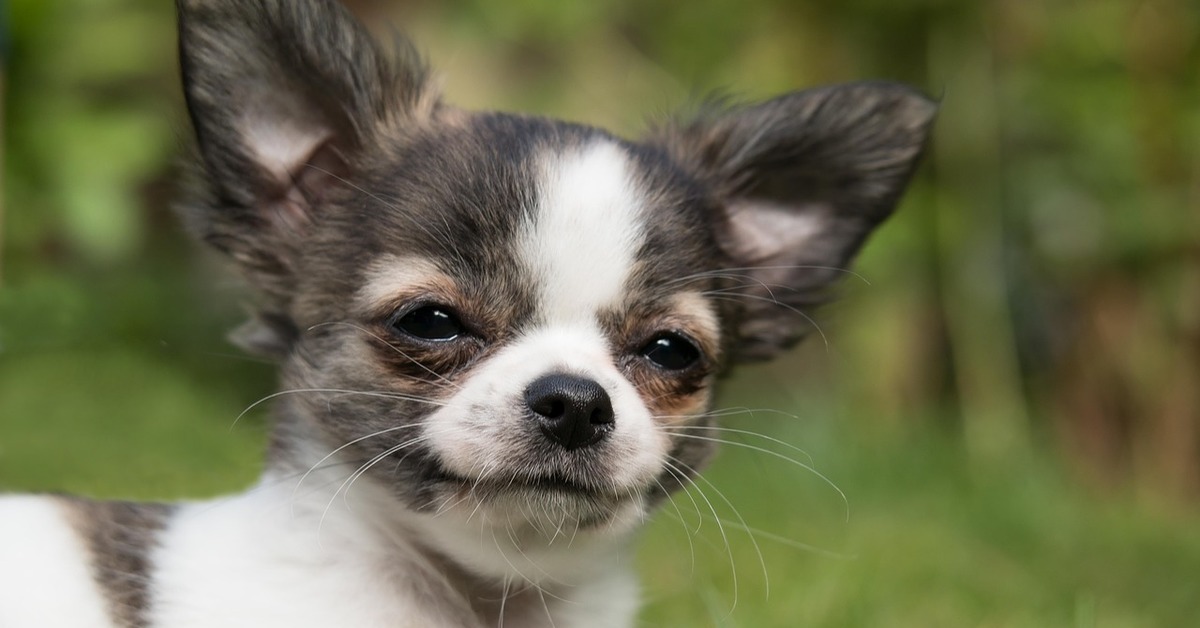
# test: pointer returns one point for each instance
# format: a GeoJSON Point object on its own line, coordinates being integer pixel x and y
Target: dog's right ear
{"type": "Point", "coordinates": [802, 179]}
{"type": "Point", "coordinates": [284, 95]}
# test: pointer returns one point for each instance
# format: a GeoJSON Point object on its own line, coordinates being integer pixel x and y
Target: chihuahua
{"type": "Point", "coordinates": [498, 334]}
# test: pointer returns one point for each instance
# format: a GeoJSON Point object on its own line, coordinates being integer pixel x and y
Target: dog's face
{"type": "Point", "coordinates": [526, 295]}
{"type": "Point", "coordinates": [505, 317]}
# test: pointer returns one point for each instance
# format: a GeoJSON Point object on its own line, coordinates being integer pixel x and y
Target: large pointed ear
{"type": "Point", "coordinates": [284, 96]}
{"type": "Point", "coordinates": [802, 179]}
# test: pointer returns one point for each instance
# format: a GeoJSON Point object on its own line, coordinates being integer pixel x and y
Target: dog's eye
{"type": "Point", "coordinates": [430, 322]}
{"type": "Point", "coordinates": [671, 351]}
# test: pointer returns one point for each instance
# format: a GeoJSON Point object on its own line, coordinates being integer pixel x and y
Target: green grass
{"type": "Point", "coordinates": [930, 540]}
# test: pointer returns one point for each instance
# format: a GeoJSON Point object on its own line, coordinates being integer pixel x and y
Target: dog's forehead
{"type": "Point", "coordinates": [559, 220]}
{"type": "Point", "coordinates": [588, 224]}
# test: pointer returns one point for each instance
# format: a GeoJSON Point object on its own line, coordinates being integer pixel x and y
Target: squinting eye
{"type": "Point", "coordinates": [671, 352]}
{"type": "Point", "coordinates": [430, 322]}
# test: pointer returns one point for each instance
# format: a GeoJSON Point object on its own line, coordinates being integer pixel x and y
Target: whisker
{"type": "Point", "coordinates": [343, 391]}
{"type": "Point", "coordinates": [507, 583]}
{"type": "Point", "coordinates": [546, 607]}
{"type": "Point", "coordinates": [721, 529]}
{"type": "Point", "coordinates": [345, 445]}
{"type": "Point", "coordinates": [345, 486]}
{"type": "Point", "coordinates": [722, 271]}
{"type": "Point", "coordinates": [809, 468]}
{"type": "Point", "coordinates": [730, 297]}
{"type": "Point", "coordinates": [686, 530]}
{"type": "Point", "coordinates": [684, 484]}
{"type": "Point", "coordinates": [783, 540]}
{"type": "Point", "coordinates": [676, 428]}
{"type": "Point", "coordinates": [390, 345]}
{"type": "Point", "coordinates": [723, 412]}
{"type": "Point", "coordinates": [517, 546]}
{"type": "Point", "coordinates": [753, 541]}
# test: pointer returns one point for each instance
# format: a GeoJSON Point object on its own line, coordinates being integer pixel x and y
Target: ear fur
{"type": "Point", "coordinates": [284, 96]}
{"type": "Point", "coordinates": [803, 179]}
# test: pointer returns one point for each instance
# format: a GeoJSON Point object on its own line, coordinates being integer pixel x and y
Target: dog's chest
{"type": "Point", "coordinates": [240, 563]}
{"type": "Point", "coordinates": [45, 578]}
{"type": "Point", "coordinates": [253, 561]}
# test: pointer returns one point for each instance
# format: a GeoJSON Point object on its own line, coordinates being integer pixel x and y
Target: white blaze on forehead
{"type": "Point", "coordinates": [586, 231]}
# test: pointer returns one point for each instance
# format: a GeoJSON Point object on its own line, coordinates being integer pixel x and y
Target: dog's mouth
{"type": "Point", "coordinates": [544, 484]}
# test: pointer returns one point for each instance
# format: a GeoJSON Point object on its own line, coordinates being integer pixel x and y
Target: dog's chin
{"type": "Point", "coordinates": [552, 499]}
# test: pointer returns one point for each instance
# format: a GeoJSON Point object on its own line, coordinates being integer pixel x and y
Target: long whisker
{"type": "Point", "coordinates": [722, 271]}
{"type": "Point", "coordinates": [753, 541]}
{"type": "Point", "coordinates": [344, 446]}
{"type": "Point", "coordinates": [345, 486]}
{"type": "Point", "coordinates": [809, 468]}
{"type": "Point", "coordinates": [733, 430]}
{"type": "Point", "coordinates": [517, 546]}
{"type": "Point", "coordinates": [546, 607]}
{"type": "Point", "coordinates": [684, 484]}
{"type": "Point", "coordinates": [730, 411]}
{"type": "Point", "coordinates": [721, 529]}
{"type": "Point", "coordinates": [687, 533]}
{"type": "Point", "coordinates": [507, 584]}
{"type": "Point", "coordinates": [343, 391]}
{"type": "Point", "coordinates": [731, 297]}
{"type": "Point", "coordinates": [783, 540]}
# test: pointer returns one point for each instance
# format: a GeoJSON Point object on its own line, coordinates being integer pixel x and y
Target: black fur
{"type": "Point", "coordinates": [120, 537]}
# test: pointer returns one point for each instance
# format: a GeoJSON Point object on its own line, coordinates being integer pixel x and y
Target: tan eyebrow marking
{"type": "Point", "coordinates": [393, 275]}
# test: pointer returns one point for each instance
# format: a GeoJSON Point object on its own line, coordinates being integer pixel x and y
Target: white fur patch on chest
{"type": "Point", "coordinates": [44, 574]}
{"type": "Point", "coordinates": [586, 232]}
{"type": "Point", "coordinates": [258, 559]}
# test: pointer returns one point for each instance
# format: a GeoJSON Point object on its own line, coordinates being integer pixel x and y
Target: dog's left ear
{"type": "Point", "coordinates": [284, 97]}
{"type": "Point", "coordinates": [802, 181]}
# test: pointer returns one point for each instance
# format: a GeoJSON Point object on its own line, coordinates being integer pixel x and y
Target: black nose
{"type": "Point", "coordinates": [573, 411]}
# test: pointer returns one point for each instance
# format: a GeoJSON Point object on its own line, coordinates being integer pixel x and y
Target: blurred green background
{"type": "Point", "coordinates": [1010, 401]}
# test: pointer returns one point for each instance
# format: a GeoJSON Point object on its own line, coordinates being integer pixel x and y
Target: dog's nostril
{"type": "Point", "coordinates": [602, 415]}
{"type": "Point", "coordinates": [573, 411]}
{"type": "Point", "coordinates": [550, 408]}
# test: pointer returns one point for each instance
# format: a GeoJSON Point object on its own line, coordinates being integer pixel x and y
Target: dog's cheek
{"type": "Point", "coordinates": [680, 409]}
{"type": "Point", "coordinates": [363, 390]}
{"type": "Point", "coordinates": [428, 373]}
{"type": "Point", "coordinates": [671, 400]}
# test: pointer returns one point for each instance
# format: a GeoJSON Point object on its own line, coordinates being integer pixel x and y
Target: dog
{"type": "Point", "coordinates": [498, 334]}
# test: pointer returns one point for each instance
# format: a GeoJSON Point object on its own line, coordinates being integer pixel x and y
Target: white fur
{"type": "Point", "coordinates": [580, 247]}
{"type": "Point", "coordinates": [247, 561]}
{"type": "Point", "coordinates": [467, 432]}
{"type": "Point", "coordinates": [44, 577]}
{"type": "Point", "coordinates": [318, 556]}
{"type": "Point", "coordinates": [584, 241]}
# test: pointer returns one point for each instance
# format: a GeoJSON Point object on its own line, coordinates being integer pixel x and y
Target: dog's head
{"type": "Point", "coordinates": [510, 317]}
